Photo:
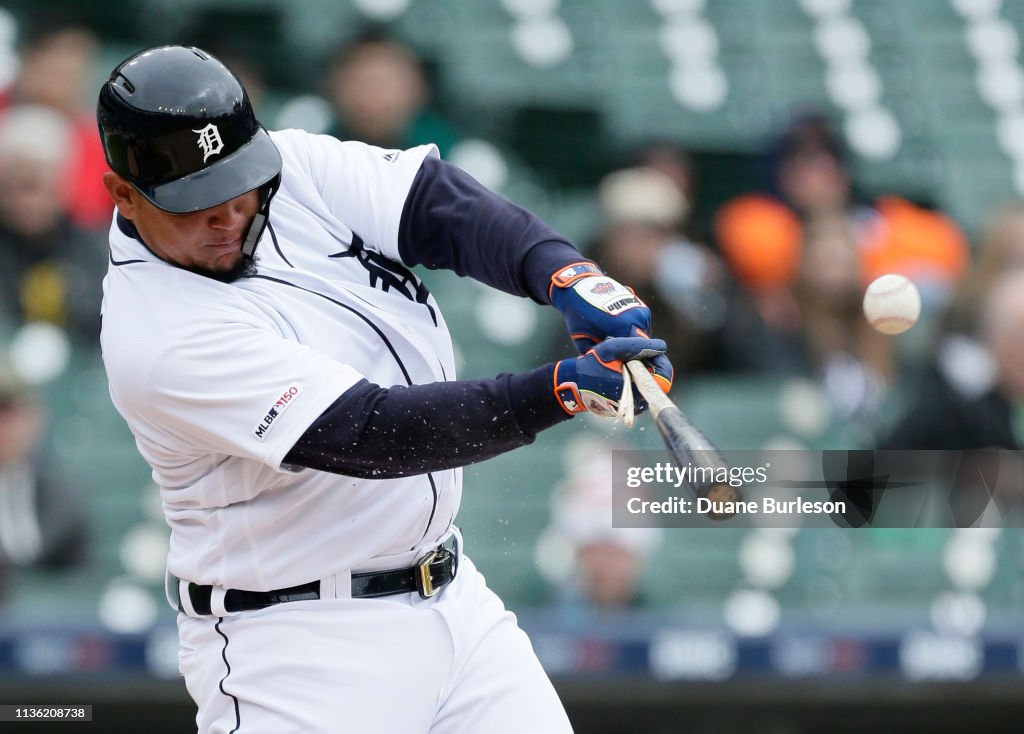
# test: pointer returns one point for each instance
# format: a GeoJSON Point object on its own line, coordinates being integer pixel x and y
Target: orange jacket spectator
{"type": "Point", "coordinates": [761, 239]}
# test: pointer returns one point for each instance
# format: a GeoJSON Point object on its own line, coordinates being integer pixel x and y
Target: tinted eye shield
{"type": "Point", "coordinates": [254, 165]}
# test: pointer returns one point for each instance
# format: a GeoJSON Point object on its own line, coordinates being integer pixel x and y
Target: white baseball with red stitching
{"type": "Point", "coordinates": [892, 304]}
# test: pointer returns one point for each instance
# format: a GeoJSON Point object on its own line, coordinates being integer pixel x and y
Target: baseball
{"type": "Point", "coordinates": [892, 304]}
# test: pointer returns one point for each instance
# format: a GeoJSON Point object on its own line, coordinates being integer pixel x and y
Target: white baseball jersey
{"type": "Point", "coordinates": [217, 381]}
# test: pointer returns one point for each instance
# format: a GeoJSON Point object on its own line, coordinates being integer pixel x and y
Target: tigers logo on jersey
{"type": "Point", "coordinates": [387, 274]}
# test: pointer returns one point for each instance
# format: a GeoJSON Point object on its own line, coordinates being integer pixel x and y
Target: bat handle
{"type": "Point", "coordinates": [656, 399]}
{"type": "Point", "coordinates": [658, 402]}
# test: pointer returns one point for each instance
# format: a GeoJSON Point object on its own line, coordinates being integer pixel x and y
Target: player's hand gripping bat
{"type": "Point", "coordinates": [688, 446]}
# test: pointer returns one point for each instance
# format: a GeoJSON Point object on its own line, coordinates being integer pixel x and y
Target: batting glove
{"type": "Point", "coordinates": [594, 381]}
{"type": "Point", "coordinates": [596, 307]}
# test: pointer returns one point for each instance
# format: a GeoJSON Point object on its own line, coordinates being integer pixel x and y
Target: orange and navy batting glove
{"type": "Point", "coordinates": [593, 383]}
{"type": "Point", "coordinates": [596, 307]}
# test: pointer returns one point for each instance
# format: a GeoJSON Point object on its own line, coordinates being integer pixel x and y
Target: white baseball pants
{"type": "Point", "coordinates": [453, 664]}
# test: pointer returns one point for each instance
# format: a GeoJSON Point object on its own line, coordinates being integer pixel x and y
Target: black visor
{"type": "Point", "coordinates": [253, 165]}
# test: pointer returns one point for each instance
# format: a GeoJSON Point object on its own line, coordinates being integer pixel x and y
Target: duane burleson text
{"type": "Point", "coordinates": [704, 506]}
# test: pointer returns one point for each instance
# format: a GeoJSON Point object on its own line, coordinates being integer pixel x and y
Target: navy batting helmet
{"type": "Point", "coordinates": [179, 126]}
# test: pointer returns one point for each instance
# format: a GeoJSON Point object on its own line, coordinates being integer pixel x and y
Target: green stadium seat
{"type": "Point", "coordinates": [694, 566]}
{"type": "Point", "coordinates": [939, 19]}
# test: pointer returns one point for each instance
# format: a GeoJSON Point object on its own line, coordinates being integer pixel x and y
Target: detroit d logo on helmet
{"type": "Point", "coordinates": [209, 141]}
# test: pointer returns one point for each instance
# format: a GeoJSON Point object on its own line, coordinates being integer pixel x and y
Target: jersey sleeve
{"type": "Point", "coordinates": [364, 186]}
{"type": "Point", "coordinates": [381, 433]}
{"type": "Point", "coordinates": [453, 222]}
{"type": "Point", "coordinates": [232, 388]}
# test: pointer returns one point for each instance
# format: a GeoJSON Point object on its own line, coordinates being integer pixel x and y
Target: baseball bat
{"type": "Point", "coordinates": [688, 446]}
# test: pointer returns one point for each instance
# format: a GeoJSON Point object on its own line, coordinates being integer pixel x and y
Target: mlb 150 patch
{"type": "Point", "coordinates": [280, 406]}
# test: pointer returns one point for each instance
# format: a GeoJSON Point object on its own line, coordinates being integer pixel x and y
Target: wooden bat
{"type": "Point", "coordinates": [688, 446]}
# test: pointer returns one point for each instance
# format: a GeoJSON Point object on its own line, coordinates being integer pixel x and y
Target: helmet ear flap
{"type": "Point", "coordinates": [259, 222]}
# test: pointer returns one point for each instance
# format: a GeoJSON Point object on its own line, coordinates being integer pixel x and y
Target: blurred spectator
{"type": "Point", "coordinates": [40, 515]}
{"type": "Point", "coordinates": [381, 96]}
{"type": "Point", "coordinates": [833, 341]}
{"type": "Point", "coordinates": [1001, 249]}
{"type": "Point", "coordinates": [243, 50]}
{"type": "Point", "coordinates": [671, 160]}
{"type": "Point", "coordinates": [965, 373]}
{"type": "Point", "coordinates": [603, 564]}
{"type": "Point", "coordinates": [973, 395]}
{"type": "Point", "coordinates": [57, 65]}
{"type": "Point", "coordinates": [51, 270]}
{"type": "Point", "coordinates": [242, 65]}
{"type": "Point", "coordinates": [761, 235]}
{"type": "Point", "coordinates": [643, 212]}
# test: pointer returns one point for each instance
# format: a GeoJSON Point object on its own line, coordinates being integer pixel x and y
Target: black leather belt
{"type": "Point", "coordinates": [430, 574]}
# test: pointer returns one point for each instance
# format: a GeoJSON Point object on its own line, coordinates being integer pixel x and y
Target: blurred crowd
{"type": "Point", "coordinates": [777, 284]}
{"type": "Point", "coordinates": [772, 286]}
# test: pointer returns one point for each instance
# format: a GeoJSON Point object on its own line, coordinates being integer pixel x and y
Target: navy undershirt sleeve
{"type": "Point", "coordinates": [372, 432]}
{"type": "Point", "coordinates": [452, 222]}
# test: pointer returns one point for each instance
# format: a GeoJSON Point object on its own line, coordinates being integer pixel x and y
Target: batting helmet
{"type": "Point", "coordinates": [179, 126]}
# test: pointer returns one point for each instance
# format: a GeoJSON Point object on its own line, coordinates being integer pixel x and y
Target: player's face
{"type": "Point", "coordinates": [208, 241]}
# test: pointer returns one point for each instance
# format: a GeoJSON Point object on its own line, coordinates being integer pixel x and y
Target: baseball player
{"type": "Point", "coordinates": [291, 383]}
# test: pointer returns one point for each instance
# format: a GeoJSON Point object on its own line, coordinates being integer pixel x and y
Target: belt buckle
{"type": "Point", "coordinates": [424, 579]}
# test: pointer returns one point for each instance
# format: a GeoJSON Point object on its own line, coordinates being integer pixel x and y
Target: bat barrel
{"type": "Point", "coordinates": [691, 449]}
{"type": "Point", "coordinates": [687, 444]}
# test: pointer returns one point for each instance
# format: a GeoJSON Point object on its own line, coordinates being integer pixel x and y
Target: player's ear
{"type": "Point", "coordinates": [121, 192]}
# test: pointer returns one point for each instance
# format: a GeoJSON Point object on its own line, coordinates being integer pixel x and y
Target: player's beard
{"type": "Point", "coordinates": [246, 267]}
